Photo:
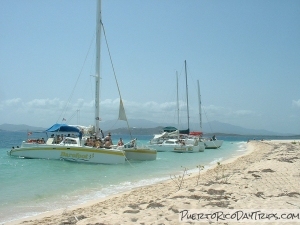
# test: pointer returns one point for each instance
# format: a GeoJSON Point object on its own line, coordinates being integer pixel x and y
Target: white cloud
{"type": "Point", "coordinates": [10, 103]}
{"type": "Point", "coordinates": [227, 115]}
{"type": "Point", "coordinates": [296, 103]}
{"type": "Point", "coordinates": [44, 103]}
{"type": "Point", "coordinates": [151, 104]}
{"type": "Point", "coordinates": [243, 112]}
{"type": "Point", "coordinates": [13, 101]}
{"type": "Point", "coordinates": [216, 110]}
{"type": "Point", "coordinates": [47, 111]}
{"type": "Point", "coordinates": [213, 110]}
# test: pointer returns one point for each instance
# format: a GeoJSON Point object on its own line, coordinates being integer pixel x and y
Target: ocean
{"type": "Point", "coordinates": [29, 187]}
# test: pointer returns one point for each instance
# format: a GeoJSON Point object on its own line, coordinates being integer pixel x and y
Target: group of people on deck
{"type": "Point", "coordinates": [91, 141]}
{"type": "Point", "coordinates": [182, 142]}
{"type": "Point", "coordinates": [104, 142]}
{"type": "Point", "coordinates": [213, 138]}
{"type": "Point", "coordinates": [59, 138]}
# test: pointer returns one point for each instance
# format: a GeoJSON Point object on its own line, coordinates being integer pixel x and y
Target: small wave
{"type": "Point", "coordinates": [215, 161]}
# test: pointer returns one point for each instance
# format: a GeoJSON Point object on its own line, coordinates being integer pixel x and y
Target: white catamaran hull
{"type": "Point", "coordinates": [170, 148]}
{"type": "Point", "coordinates": [137, 153]}
{"type": "Point", "coordinates": [213, 144]}
{"type": "Point", "coordinates": [69, 153]}
{"type": "Point", "coordinates": [140, 154]}
{"type": "Point", "coordinates": [169, 145]}
{"type": "Point", "coordinates": [165, 148]}
{"type": "Point", "coordinates": [201, 146]}
{"type": "Point", "coordinates": [188, 148]}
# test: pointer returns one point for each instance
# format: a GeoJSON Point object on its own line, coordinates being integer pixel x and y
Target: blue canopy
{"type": "Point", "coordinates": [169, 129]}
{"type": "Point", "coordinates": [62, 128]}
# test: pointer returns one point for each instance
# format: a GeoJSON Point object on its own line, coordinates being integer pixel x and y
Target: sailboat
{"type": "Point", "coordinates": [175, 140]}
{"type": "Point", "coordinates": [71, 143]}
{"type": "Point", "coordinates": [212, 143]}
{"type": "Point", "coordinates": [198, 146]}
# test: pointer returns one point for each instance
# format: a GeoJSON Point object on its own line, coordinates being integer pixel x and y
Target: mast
{"type": "Point", "coordinates": [199, 98]}
{"type": "Point", "coordinates": [187, 98]}
{"type": "Point", "coordinates": [97, 67]}
{"type": "Point", "coordinates": [177, 104]}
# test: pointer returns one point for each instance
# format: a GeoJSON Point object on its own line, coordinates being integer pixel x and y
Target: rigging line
{"type": "Point", "coordinates": [128, 160]}
{"type": "Point", "coordinates": [208, 121]}
{"type": "Point", "coordinates": [114, 74]}
{"type": "Point", "coordinates": [70, 97]}
{"type": "Point", "coordinates": [71, 117]}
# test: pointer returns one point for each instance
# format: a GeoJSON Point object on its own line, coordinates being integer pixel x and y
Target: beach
{"type": "Point", "coordinates": [266, 177]}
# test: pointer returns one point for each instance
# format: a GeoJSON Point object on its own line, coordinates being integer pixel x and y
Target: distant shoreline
{"type": "Point", "coordinates": [148, 131]}
{"type": "Point", "coordinates": [145, 127]}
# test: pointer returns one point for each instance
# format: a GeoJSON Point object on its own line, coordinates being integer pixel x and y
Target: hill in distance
{"type": "Point", "coordinates": [214, 127]}
{"type": "Point", "coordinates": [20, 127]}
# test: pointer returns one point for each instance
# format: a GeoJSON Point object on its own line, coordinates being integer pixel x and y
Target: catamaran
{"type": "Point", "coordinates": [211, 143]}
{"type": "Point", "coordinates": [70, 148]}
{"type": "Point", "coordinates": [70, 142]}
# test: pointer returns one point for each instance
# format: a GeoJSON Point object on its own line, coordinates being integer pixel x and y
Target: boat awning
{"type": "Point", "coordinates": [169, 129]}
{"type": "Point", "coordinates": [187, 131]}
{"type": "Point", "coordinates": [62, 128]}
{"type": "Point", "coordinates": [196, 133]}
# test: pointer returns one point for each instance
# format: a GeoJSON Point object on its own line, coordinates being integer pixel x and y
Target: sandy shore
{"type": "Point", "coordinates": [266, 177]}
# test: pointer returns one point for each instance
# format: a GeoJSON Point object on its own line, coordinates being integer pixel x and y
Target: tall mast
{"type": "Point", "coordinates": [199, 98]}
{"type": "Point", "coordinates": [97, 68]}
{"type": "Point", "coordinates": [187, 97]}
{"type": "Point", "coordinates": [177, 104]}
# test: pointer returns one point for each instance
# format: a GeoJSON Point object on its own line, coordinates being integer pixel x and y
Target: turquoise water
{"type": "Point", "coordinates": [32, 186]}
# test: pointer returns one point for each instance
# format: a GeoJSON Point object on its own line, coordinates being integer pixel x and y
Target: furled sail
{"type": "Point", "coordinates": [122, 115]}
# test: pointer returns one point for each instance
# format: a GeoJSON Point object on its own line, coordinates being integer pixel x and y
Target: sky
{"type": "Point", "coordinates": [245, 54]}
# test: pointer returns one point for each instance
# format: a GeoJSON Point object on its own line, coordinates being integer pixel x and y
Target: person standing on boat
{"type": "Point", "coordinates": [108, 140]}
{"type": "Point", "coordinates": [97, 134]}
{"type": "Point", "coordinates": [120, 143]}
{"type": "Point", "coordinates": [80, 136]}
